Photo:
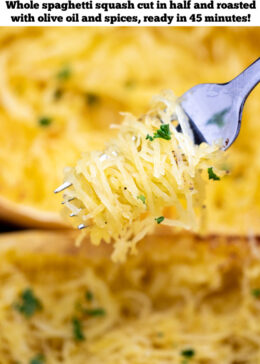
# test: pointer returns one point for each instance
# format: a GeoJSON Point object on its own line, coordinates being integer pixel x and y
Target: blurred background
{"type": "Point", "coordinates": [61, 88]}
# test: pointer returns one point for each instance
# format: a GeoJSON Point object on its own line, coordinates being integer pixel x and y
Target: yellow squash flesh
{"type": "Point", "coordinates": [79, 79]}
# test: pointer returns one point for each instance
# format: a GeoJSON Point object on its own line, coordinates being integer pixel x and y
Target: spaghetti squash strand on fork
{"type": "Point", "coordinates": [121, 193]}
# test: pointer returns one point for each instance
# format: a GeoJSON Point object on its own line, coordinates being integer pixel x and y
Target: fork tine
{"type": "Point", "coordinates": [75, 213]}
{"type": "Point", "coordinates": [82, 226]}
{"type": "Point", "coordinates": [70, 199]}
{"type": "Point", "coordinates": [63, 187]}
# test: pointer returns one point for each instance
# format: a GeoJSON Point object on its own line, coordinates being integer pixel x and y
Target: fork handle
{"type": "Point", "coordinates": [246, 81]}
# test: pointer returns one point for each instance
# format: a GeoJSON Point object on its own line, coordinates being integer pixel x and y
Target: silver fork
{"type": "Point", "coordinates": [215, 109]}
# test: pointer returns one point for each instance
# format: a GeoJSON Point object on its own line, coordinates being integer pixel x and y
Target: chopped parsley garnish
{"type": "Point", "coordinates": [44, 121]}
{"type": "Point", "coordinates": [149, 137]}
{"type": "Point", "coordinates": [159, 219]}
{"type": "Point", "coordinates": [212, 175]}
{"type": "Point", "coordinates": [142, 198]}
{"type": "Point", "coordinates": [163, 133]}
{"type": "Point", "coordinates": [58, 93]}
{"type": "Point", "coordinates": [256, 292]}
{"type": "Point", "coordinates": [28, 304]}
{"type": "Point", "coordinates": [89, 296]}
{"type": "Point", "coordinates": [77, 329]}
{"type": "Point", "coordinates": [188, 353]}
{"type": "Point", "coordinates": [64, 74]}
{"type": "Point", "coordinates": [92, 99]}
{"type": "Point", "coordinates": [38, 359]}
{"type": "Point", "coordinates": [94, 311]}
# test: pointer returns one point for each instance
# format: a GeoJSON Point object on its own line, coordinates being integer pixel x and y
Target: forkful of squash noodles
{"type": "Point", "coordinates": [157, 168]}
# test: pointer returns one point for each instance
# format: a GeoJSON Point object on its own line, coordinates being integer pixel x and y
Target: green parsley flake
{"type": "Point", "coordinates": [38, 359]}
{"type": "Point", "coordinates": [58, 94]}
{"type": "Point", "coordinates": [149, 137]}
{"type": "Point", "coordinates": [188, 353]}
{"type": "Point", "coordinates": [94, 312]}
{"type": "Point", "coordinates": [89, 296]}
{"type": "Point", "coordinates": [212, 175]}
{"type": "Point", "coordinates": [77, 329]}
{"type": "Point", "coordinates": [256, 292]}
{"type": "Point", "coordinates": [142, 198]}
{"type": "Point", "coordinates": [159, 219]}
{"type": "Point", "coordinates": [92, 99]}
{"type": "Point", "coordinates": [64, 74]}
{"type": "Point", "coordinates": [44, 121]}
{"type": "Point", "coordinates": [163, 132]}
{"type": "Point", "coordinates": [28, 304]}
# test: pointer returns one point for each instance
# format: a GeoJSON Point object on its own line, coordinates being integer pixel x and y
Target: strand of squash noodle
{"type": "Point", "coordinates": [107, 186]}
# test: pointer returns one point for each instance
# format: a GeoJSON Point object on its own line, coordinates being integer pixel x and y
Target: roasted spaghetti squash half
{"type": "Point", "coordinates": [180, 300]}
